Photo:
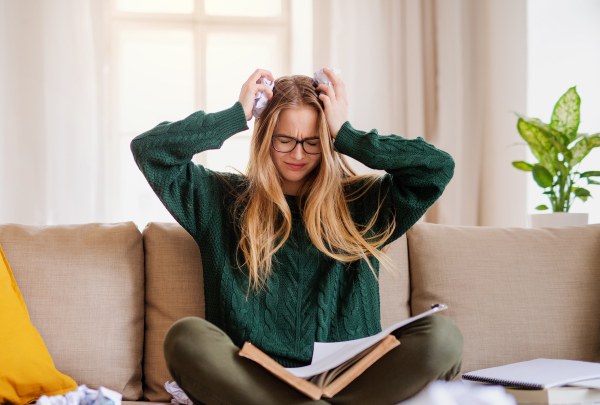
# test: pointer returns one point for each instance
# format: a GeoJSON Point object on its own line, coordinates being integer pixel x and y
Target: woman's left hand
{"type": "Point", "coordinates": [335, 102]}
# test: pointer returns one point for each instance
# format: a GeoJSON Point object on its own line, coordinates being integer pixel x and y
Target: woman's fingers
{"type": "Point", "coordinates": [251, 87]}
{"type": "Point", "coordinates": [326, 101]}
{"type": "Point", "coordinates": [327, 89]}
{"type": "Point", "coordinates": [258, 73]}
{"type": "Point", "coordinates": [266, 89]}
{"type": "Point", "coordinates": [338, 84]}
{"type": "Point", "coordinates": [335, 102]}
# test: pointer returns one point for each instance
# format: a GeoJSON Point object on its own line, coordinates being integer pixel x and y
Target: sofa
{"type": "Point", "coordinates": [102, 296]}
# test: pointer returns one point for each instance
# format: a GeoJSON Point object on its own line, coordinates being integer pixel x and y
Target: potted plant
{"type": "Point", "coordinates": [559, 149]}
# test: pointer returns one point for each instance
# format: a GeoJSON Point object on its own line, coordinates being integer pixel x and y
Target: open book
{"type": "Point", "coordinates": [334, 365]}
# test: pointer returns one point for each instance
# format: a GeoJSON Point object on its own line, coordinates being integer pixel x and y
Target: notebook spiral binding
{"type": "Point", "coordinates": [506, 383]}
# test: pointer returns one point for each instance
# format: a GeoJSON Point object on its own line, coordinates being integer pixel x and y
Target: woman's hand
{"type": "Point", "coordinates": [250, 88]}
{"type": "Point", "coordinates": [335, 102]}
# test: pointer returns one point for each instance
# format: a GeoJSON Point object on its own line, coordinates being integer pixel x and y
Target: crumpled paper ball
{"type": "Point", "coordinates": [179, 397]}
{"type": "Point", "coordinates": [460, 393]}
{"type": "Point", "coordinates": [261, 99]}
{"type": "Point", "coordinates": [321, 78]}
{"type": "Point", "coordinates": [83, 396]}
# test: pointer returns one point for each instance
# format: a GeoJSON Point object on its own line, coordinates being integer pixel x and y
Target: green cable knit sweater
{"type": "Point", "coordinates": [310, 297]}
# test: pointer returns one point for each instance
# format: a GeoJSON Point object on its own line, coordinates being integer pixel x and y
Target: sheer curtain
{"type": "Point", "coordinates": [52, 107]}
{"type": "Point", "coordinates": [450, 71]}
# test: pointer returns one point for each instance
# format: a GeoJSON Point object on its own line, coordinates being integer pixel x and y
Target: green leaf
{"type": "Point", "coordinates": [587, 174]}
{"type": "Point", "coordinates": [565, 117]}
{"type": "Point", "coordinates": [561, 148]}
{"type": "Point", "coordinates": [538, 141]}
{"type": "Point", "coordinates": [526, 167]}
{"type": "Point", "coordinates": [542, 176]}
{"type": "Point", "coordinates": [590, 181]}
{"type": "Point", "coordinates": [584, 146]}
{"type": "Point", "coordinates": [541, 207]}
{"type": "Point", "coordinates": [582, 192]}
{"type": "Point", "coordinates": [549, 131]}
{"type": "Point", "coordinates": [556, 138]}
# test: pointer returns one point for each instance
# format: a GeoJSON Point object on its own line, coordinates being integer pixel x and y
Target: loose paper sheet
{"type": "Point", "coordinates": [330, 355]}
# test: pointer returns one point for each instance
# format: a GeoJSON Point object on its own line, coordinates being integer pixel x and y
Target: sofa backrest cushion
{"type": "Point", "coordinates": [27, 370]}
{"type": "Point", "coordinates": [175, 289]}
{"type": "Point", "coordinates": [516, 294]}
{"type": "Point", "coordinates": [83, 286]}
{"type": "Point", "coordinates": [394, 287]}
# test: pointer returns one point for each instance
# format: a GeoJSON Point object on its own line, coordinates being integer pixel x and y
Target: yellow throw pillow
{"type": "Point", "coordinates": [26, 368]}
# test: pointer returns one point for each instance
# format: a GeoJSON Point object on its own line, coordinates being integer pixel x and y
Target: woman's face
{"type": "Point", "coordinates": [299, 123]}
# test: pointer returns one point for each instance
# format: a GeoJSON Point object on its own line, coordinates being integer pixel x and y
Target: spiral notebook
{"type": "Point", "coordinates": [537, 374]}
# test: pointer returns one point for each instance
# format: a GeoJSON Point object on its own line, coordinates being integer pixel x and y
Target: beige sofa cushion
{"type": "Point", "coordinates": [516, 294]}
{"type": "Point", "coordinates": [175, 289]}
{"type": "Point", "coordinates": [394, 288]}
{"type": "Point", "coordinates": [84, 288]}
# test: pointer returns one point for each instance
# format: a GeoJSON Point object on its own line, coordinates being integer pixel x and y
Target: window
{"type": "Point", "coordinates": [558, 60]}
{"type": "Point", "coordinates": [170, 58]}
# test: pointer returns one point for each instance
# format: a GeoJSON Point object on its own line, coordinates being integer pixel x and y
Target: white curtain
{"type": "Point", "coordinates": [52, 109]}
{"type": "Point", "coordinates": [451, 71]}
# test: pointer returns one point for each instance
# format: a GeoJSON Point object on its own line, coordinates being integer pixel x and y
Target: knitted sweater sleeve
{"type": "Point", "coordinates": [164, 155]}
{"type": "Point", "coordinates": [417, 173]}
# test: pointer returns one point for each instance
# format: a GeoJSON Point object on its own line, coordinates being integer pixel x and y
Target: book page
{"type": "Point", "coordinates": [324, 379]}
{"type": "Point", "coordinates": [322, 350]}
{"type": "Point", "coordinates": [373, 354]}
{"type": "Point", "coordinates": [343, 351]}
{"type": "Point", "coordinates": [344, 366]}
{"type": "Point", "coordinates": [319, 379]}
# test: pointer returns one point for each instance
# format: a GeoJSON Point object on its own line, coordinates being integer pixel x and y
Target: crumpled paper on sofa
{"type": "Point", "coordinates": [460, 393]}
{"type": "Point", "coordinates": [261, 98]}
{"type": "Point", "coordinates": [179, 397]}
{"type": "Point", "coordinates": [83, 396]}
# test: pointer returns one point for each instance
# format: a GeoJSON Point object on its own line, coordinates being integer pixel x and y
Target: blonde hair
{"type": "Point", "coordinates": [263, 217]}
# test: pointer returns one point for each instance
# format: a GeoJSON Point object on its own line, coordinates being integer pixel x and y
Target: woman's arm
{"type": "Point", "coordinates": [164, 155]}
{"type": "Point", "coordinates": [417, 173]}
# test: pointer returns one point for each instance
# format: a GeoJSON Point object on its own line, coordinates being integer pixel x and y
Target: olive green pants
{"type": "Point", "coordinates": [206, 365]}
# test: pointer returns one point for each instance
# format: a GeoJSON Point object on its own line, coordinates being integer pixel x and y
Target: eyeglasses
{"type": "Point", "coordinates": [285, 144]}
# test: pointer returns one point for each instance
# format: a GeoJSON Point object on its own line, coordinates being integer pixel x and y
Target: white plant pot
{"type": "Point", "coordinates": [556, 219]}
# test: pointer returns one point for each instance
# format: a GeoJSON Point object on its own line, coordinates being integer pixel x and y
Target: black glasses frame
{"type": "Point", "coordinates": [293, 139]}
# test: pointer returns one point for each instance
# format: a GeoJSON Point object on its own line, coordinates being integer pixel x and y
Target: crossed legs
{"type": "Point", "coordinates": [206, 365]}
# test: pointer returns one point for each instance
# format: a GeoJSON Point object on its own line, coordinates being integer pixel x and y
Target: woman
{"type": "Point", "coordinates": [291, 250]}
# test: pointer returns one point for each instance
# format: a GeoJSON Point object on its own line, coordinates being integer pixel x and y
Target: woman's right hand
{"type": "Point", "coordinates": [250, 88]}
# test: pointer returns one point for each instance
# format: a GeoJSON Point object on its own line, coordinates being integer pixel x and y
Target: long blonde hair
{"type": "Point", "coordinates": [263, 217]}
